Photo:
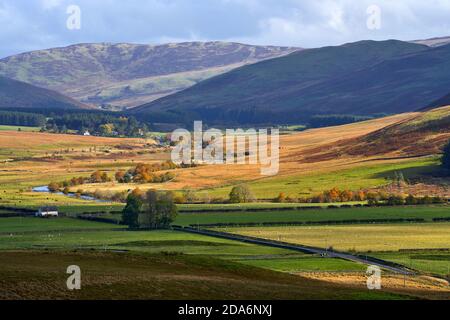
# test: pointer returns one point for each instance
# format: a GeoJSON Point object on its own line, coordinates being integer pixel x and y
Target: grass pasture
{"type": "Point", "coordinates": [39, 225]}
{"type": "Point", "coordinates": [249, 206]}
{"type": "Point", "coordinates": [136, 265]}
{"type": "Point", "coordinates": [72, 234]}
{"type": "Point", "coordinates": [42, 275]}
{"type": "Point", "coordinates": [359, 238]}
{"type": "Point", "coordinates": [316, 215]}
{"type": "Point", "coordinates": [428, 261]}
{"type": "Point", "coordinates": [19, 128]}
{"type": "Point", "coordinates": [361, 176]}
{"type": "Point", "coordinates": [305, 263]}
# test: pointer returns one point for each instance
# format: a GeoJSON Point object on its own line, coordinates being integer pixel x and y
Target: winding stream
{"type": "Point", "coordinates": [44, 189]}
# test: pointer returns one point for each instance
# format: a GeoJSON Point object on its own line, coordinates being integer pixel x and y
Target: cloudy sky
{"type": "Point", "coordinates": [37, 24]}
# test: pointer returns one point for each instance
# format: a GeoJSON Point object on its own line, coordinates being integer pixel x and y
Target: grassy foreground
{"type": "Point", "coordinates": [42, 275]}
{"type": "Point", "coordinates": [120, 264]}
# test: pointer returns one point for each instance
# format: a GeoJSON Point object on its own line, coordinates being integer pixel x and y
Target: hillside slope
{"type": "Point", "coordinates": [16, 95]}
{"type": "Point", "coordinates": [441, 102]}
{"type": "Point", "coordinates": [363, 78]}
{"type": "Point", "coordinates": [130, 74]}
{"type": "Point", "coordinates": [419, 134]}
{"type": "Point", "coordinates": [423, 134]}
{"type": "Point", "coordinates": [434, 42]}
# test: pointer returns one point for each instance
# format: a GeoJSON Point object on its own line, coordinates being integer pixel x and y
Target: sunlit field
{"type": "Point", "coordinates": [359, 238]}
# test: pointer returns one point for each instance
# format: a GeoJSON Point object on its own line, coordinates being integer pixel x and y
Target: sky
{"type": "Point", "coordinates": [40, 24]}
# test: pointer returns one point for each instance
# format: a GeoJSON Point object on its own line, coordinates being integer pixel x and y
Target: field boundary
{"type": "Point", "coordinates": [313, 223]}
{"type": "Point", "coordinates": [99, 219]}
{"type": "Point", "coordinates": [300, 208]}
{"type": "Point", "coordinates": [60, 231]}
{"type": "Point", "coordinates": [11, 212]}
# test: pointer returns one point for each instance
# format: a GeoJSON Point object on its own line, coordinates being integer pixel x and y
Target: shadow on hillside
{"type": "Point", "coordinates": [420, 173]}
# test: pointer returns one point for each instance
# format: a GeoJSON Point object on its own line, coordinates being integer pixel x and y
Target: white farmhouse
{"type": "Point", "coordinates": [47, 212]}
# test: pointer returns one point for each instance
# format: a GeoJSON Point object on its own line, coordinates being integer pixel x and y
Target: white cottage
{"type": "Point", "coordinates": [47, 212]}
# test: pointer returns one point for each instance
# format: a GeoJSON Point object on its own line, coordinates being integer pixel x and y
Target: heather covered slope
{"type": "Point", "coordinates": [363, 78]}
{"type": "Point", "coordinates": [424, 134]}
{"type": "Point", "coordinates": [16, 95]}
{"type": "Point", "coordinates": [130, 74]}
{"type": "Point", "coordinates": [420, 134]}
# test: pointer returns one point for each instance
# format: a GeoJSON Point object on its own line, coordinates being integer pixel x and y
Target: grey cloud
{"type": "Point", "coordinates": [36, 24]}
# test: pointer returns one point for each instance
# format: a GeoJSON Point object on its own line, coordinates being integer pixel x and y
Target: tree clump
{"type": "Point", "coordinates": [154, 210]}
{"type": "Point", "coordinates": [241, 194]}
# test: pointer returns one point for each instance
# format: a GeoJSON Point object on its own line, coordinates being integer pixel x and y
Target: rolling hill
{"type": "Point", "coordinates": [419, 134]}
{"type": "Point", "coordinates": [434, 42]}
{"type": "Point", "coordinates": [19, 95]}
{"type": "Point", "coordinates": [362, 78]}
{"type": "Point", "coordinates": [130, 74]}
{"type": "Point", "coordinates": [441, 102]}
{"type": "Point", "coordinates": [423, 134]}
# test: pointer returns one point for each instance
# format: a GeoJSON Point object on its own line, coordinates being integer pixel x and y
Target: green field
{"type": "Point", "coordinates": [68, 234]}
{"type": "Point", "coordinates": [359, 238]}
{"type": "Point", "coordinates": [305, 263]}
{"type": "Point", "coordinates": [22, 128]}
{"type": "Point", "coordinates": [427, 261]}
{"type": "Point", "coordinates": [128, 253]}
{"type": "Point", "coordinates": [72, 234]}
{"type": "Point", "coordinates": [316, 215]}
{"type": "Point", "coordinates": [256, 205]}
{"type": "Point", "coordinates": [27, 225]}
{"type": "Point", "coordinates": [360, 177]}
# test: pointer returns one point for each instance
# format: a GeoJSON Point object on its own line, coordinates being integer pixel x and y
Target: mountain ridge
{"type": "Point", "coordinates": [433, 42]}
{"type": "Point", "coordinates": [20, 95]}
{"type": "Point", "coordinates": [115, 73]}
{"type": "Point", "coordinates": [292, 84]}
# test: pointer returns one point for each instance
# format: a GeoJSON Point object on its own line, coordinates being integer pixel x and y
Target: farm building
{"type": "Point", "coordinates": [47, 212]}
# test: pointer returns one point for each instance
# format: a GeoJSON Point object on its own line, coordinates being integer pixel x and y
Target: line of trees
{"type": "Point", "coordinates": [147, 173]}
{"type": "Point", "coordinates": [96, 177]}
{"type": "Point", "coordinates": [12, 118]}
{"type": "Point", "coordinates": [97, 123]}
{"type": "Point", "coordinates": [373, 198]}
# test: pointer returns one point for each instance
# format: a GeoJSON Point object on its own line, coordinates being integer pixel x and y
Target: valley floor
{"type": "Point", "coordinates": [121, 264]}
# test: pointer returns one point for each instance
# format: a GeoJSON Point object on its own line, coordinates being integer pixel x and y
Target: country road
{"type": "Point", "coordinates": [390, 266]}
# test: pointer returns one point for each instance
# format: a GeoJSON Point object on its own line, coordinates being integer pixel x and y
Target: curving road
{"type": "Point", "coordinates": [390, 266]}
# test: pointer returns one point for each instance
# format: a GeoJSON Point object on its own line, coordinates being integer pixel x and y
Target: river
{"type": "Point", "coordinates": [45, 189]}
